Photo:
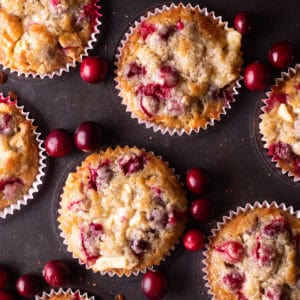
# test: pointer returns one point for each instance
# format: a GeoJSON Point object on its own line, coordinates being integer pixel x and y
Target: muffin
{"type": "Point", "coordinates": [177, 68]}
{"type": "Point", "coordinates": [44, 36]}
{"type": "Point", "coordinates": [64, 295]}
{"type": "Point", "coordinates": [280, 123]}
{"type": "Point", "coordinates": [255, 255]}
{"type": "Point", "coordinates": [122, 211]}
{"type": "Point", "coordinates": [19, 157]}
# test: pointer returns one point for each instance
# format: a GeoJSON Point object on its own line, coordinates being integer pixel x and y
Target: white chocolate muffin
{"type": "Point", "coordinates": [178, 67]}
{"type": "Point", "coordinates": [256, 256]}
{"type": "Point", "coordinates": [19, 154]}
{"type": "Point", "coordinates": [43, 36]}
{"type": "Point", "coordinates": [280, 124]}
{"type": "Point", "coordinates": [122, 211]}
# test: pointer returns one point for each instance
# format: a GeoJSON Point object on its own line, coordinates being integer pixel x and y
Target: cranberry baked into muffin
{"type": "Point", "coordinates": [177, 68]}
{"type": "Point", "coordinates": [43, 36]}
{"type": "Point", "coordinates": [256, 255]}
{"type": "Point", "coordinates": [19, 154]}
{"type": "Point", "coordinates": [280, 124]}
{"type": "Point", "coordinates": [122, 211]}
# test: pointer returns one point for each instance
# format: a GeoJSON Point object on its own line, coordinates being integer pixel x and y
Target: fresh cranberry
{"type": "Point", "coordinates": [256, 76]}
{"type": "Point", "coordinates": [262, 254]}
{"type": "Point", "coordinates": [281, 54]}
{"type": "Point", "coordinates": [169, 76]}
{"type": "Point", "coordinates": [93, 69]}
{"type": "Point", "coordinates": [234, 280]}
{"type": "Point", "coordinates": [193, 240]}
{"type": "Point", "coordinates": [56, 273]}
{"type": "Point", "coordinates": [276, 226]}
{"type": "Point", "coordinates": [5, 295]}
{"type": "Point", "coordinates": [6, 124]}
{"type": "Point", "coordinates": [197, 181]}
{"type": "Point", "coordinates": [281, 151]}
{"type": "Point", "coordinates": [232, 251]}
{"type": "Point", "coordinates": [243, 22]}
{"type": "Point", "coordinates": [4, 277]}
{"type": "Point", "coordinates": [276, 98]}
{"type": "Point", "coordinates": [131, 163]}
{"type": "Point", "coordinates": [100, 176]}
{"type": "Point", "coordinates": [58, 143]}
{"type": "Point", "coordinates": [149, 105]}
{"type": "Point", "coordinates": [135, 69]}
{"type": "Point", "coordinates": [146, 29]}
{"type": "Point", "coordinates": [139, 246]}
{"type": "Point", "coordinates": [201, 210]}
{"type": "Point", "coordinates": [166, 32]}
{"type": "Point", "coordinates": [155, 90]}
{"type": "Point", "coordinates": [27, 285]}
{"type": "Point", "coordinates": [154, 285]}
{"type": "Point", "coordinates": [87, 136]}
{"type": "Point", "coordinates": [180, 25]}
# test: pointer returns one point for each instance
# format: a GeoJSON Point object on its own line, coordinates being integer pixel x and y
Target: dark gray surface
{"type": "Point", "coordinates": [228, 151]}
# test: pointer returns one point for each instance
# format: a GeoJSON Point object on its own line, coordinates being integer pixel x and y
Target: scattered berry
{"type": "Point", "coordinates": [281, 54]}
{"type": "Point", "coordinates": [256, 76]}
{"type": "Point", "coordinates": [201, 210]}
{"type": "Point", "coordinates": [56, 273]}
{"type": "Point", "coordinates": [4, 277]}
{"type": "Point", "coordinates": [193, 240]}
{"type": "Point", "coordinates": [87, 136]}
{"type": "Point", "coordinates": [58, 143]}
{"type": "Point", "coordinates": [27, 285]}
{"type": "Point", "coordinates": [243, 22]}
{"type": "Point", "coordinates": [197, 181]}
{"type": "Point", "coordinates": [154, 285]}
{"type": "Point", "coordinates": [93, 69]}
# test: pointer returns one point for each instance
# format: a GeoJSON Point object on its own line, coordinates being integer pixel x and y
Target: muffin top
{"type": "Point", "coordinates": [280, 124]}
{"type": "Point", "coordinates": [177, 68]}
{"type": "Point", "coordinates": [43, 36]}
{"type": "Point", "coordinates": [19, 154]}
{"type": "Point", "coordinates": [256, 255]}
{"type": "Point", "coordinates": [122, 210]}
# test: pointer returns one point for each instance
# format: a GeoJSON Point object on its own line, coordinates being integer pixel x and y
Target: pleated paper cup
{"type": "Point", "coordinates": [76, 294]}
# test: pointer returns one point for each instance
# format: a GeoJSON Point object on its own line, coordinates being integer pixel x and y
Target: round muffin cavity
{"type": "Point", "coordinates": [255, 255]}
{"type": "Point", "coordinates": [178, 67]}
{"type": "Point", "coordinates": [280, 124]}
{"type": "Point", "coordinates": [122, 211]}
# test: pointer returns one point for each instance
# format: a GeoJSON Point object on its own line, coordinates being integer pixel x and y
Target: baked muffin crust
{"type": "Point", "coordinates": [122, 210]}
{"type": "Point", "coordinates": [177, 68]}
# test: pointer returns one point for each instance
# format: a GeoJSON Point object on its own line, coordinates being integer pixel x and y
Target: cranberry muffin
{"type": "Point", "coordinates": [64, 295]}
{"type": "Point", "coordinates": [43, 36]}
{"type": "Point", "coordinates": [19, 154]}
{"type": "Point", "coordinates": [280, 124]}
{"type": "Point", "coordinates": [177, 68]}
{"type": "Point", "coordinates": [256, 255]}
{"type": "Point", "coordinates": [122, 211]}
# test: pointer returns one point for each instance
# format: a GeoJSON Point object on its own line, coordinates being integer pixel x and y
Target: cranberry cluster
{"type": "Point", "coordinates": [56, 274]}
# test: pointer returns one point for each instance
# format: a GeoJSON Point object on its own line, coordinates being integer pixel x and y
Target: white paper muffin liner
{"type": "Point", "coordinates": [112, 273]}
{"type": "Point", "coordinates": [61, 291]}
{"type": "Point", "coordinates": [157, 127]}
{"type": "Point", "coordinates": [66, 68]}
{"type": "Point", "coordinates": [232, 214]}
{"type": "Point", "coordinates": [9, 210]}
{"type": "Point", "coordinates": [284, 76]}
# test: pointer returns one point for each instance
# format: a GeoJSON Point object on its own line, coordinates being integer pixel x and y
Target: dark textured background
{"type": "Point", "coordinates": [228, 150]}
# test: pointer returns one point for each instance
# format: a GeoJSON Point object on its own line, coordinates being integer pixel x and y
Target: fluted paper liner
{"type": "Point", "coordinates": [61, 291]}
{"type": "Point", "coordinates": [9, 210]}
{"type": "Point", "coordinates": [284, 76]}
{"type": "Point", "coordinates": [157, 127]}
{"type": "Point", "coordinates": [127, 273]}
{"type": "Point", "coordinates": [232, 214]}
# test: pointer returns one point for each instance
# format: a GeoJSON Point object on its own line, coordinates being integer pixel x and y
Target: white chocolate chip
{"type": "Point", "coordinates": [284, 113]}
{"type": "Point", "coordinates": [296, 148]}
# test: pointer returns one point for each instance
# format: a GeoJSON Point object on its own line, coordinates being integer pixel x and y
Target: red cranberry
{"type": "Point", "coordinates": [234, 280]}
{"type": "Point", "coordinates": [56, 273]}
{"type": "Point", "coordinates": [256, 76]}
{"type": "Point", "coordinates": [201, 210]}
{"type": "Point", "coordinates": [281, 54]}
{"type": "Point", "coordinates": [93, 69]}
{"type": "Point", "coordinates": [281, 151]}
{"type": "Point", "coordinates": [180, 25]}
{"type": "Point", "coordinates": [275, 227]}
{"type": "Point", "coordinates": [241, 296]}
{"type": "Point", "coordinates": [224, 95]}
{"type": "Point", "coordinates": [169, 76]}
{"type": "Point", "coordinates": [274, 99]}
{"type": "Point", "coordinates": [232, 251]}
{"type": "Point", "coordinates": [4, 277]}
{"type": "Point", "coordinates": [166, 31]}
{"type": "Point", "coordinates": [6, 126]}
{"type": "Point", "coordinates": [87, 136]}
{"type": "Point", "coordinates": [27, 285]}
{"type": "Point", "coordinates": [100, 176]}
{"type": "Point", "coordinates": [154, 285]}
{"type": "Point", "coordinates": [5, 295]}
{"type": "Point", "coordinates": [146, 29]}
{"type": "Point", "coordinates": [55, 2]}
{"type": "Point", "coordinates": [275, 293]}
{"type": "Point", "coordinates": [149, 105]}
{"type": "Point", "coordinates": [197, 181]}
{"type": "Point", "coordinates": [243, 22]}
{"type": "Point", "coordinates": [155, 90]}
{"type": "Point", "coordinates": [134, 69]}
{"type": "Point", "coordinates": [131, 163]}
{"type": "Point", "coordinates": [262, 254]}
{"type": "Point", "coordinates": [58, 143]}
{"type": "Point", "coordinates": [193, 240]}
{"type": "Point", "coordinates": [139, 246]}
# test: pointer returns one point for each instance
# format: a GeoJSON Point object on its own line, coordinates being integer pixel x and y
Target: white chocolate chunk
{"type": "Point", "coordinates": [284, 113]}
{"type": "Point", "coordinates": [296, 148]}
{"type": "Point", "coordinates": [118, 262]}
